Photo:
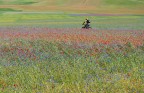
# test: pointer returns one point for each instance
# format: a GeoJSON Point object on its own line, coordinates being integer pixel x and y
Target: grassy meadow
{"type": "Point", "coordinates": [43, 48]}
{"type": "Point", "coordinates": [50, 53]}
{"type": "Point", "coordinates": [71, 20]}
{"type": "Point", "coordinates": [77, 6]}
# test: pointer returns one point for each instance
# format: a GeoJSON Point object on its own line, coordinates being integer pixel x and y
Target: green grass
{"type": "Point", "coordinates": [8, 10]}
{"type": "Point", "coordinates": [17, 2]}
{"type": "Point", "coordinates": [124, 2]}
{"type": "Point", "coordinates": [78, 6]}
{"type": "Point", "coordinates": [53, 20]}
{"type": "Point", "coordinates": [68, 2]}
{"type": "Point", "coordinates": [57, 67]}
{"type": "Point", "coordinates": [24, 2]}
{"type": "Point", "coordinates": [69, 72]}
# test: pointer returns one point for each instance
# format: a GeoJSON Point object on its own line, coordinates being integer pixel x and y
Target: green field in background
{"type": "Point", "coordinates": [79, 6]}
{"type": "Point", "coordinates": [63, 20]}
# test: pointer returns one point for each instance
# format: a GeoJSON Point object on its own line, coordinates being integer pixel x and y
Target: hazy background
{"type": "Point", "coordinates": [79, 6]}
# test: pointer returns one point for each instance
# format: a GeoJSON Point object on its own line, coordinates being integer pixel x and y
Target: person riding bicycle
{"type": "Point", "coordinates": [86, 23]}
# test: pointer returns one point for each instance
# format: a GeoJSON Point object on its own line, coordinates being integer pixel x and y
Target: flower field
{"type": "Point", "coordinates": [107, 37]}
{"type": "Point", "coordinates": [68, 60]}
